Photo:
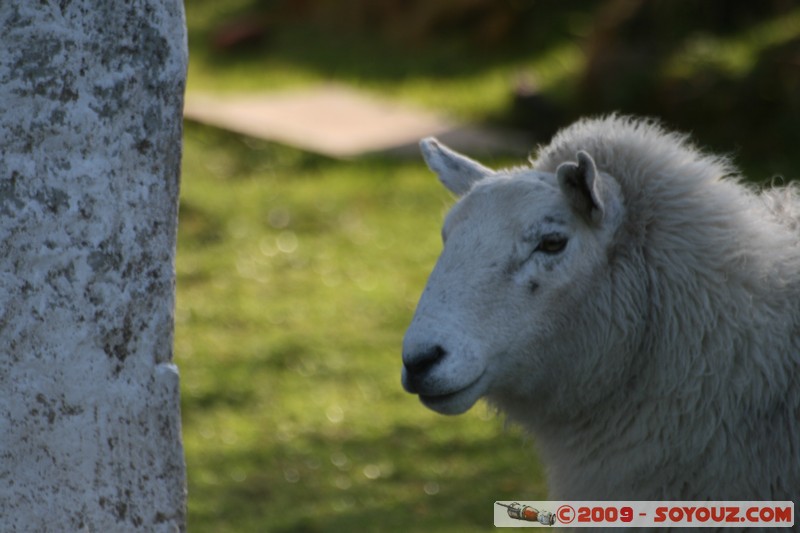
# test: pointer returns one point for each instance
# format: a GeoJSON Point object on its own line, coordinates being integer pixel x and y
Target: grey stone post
{"type": "Point", "coordinates": [91, 94]}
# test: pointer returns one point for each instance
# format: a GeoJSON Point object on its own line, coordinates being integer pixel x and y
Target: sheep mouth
{"type": "Point", "coordinates": [458, 401]}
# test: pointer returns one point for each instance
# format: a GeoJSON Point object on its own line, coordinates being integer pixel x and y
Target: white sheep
{"type": "Point", "coordinates": [629, 302]}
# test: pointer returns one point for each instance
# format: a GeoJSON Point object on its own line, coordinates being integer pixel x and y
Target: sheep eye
{"type": "Point", "coordinates": [552, 244]}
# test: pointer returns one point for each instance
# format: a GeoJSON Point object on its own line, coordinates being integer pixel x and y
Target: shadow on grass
{"type": "Point", "coordinates": [407, 479]}
{"type": "Point", "coordinates": [236, 156]}
{"type": "Point", "coordinates": [449, 46]}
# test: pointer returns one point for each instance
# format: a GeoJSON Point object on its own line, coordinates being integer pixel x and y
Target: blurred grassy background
{"type": "Point", "coordinates": [297, 274]}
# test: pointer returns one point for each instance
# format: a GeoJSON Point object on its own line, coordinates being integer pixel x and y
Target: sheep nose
{"type": "Point", "coordinates": [421, 361]}
{"type": "Point", "coordinates": [416, 364]}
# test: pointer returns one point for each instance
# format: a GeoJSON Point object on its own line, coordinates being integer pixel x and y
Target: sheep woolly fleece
{"type": "Point", "coordinates": [671, 356]}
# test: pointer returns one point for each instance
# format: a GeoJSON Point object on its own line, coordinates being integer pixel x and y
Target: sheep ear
{"type": "Point", "coordinates": [580, 184]}
{"type": "Point", "coordinates": [456, 172]}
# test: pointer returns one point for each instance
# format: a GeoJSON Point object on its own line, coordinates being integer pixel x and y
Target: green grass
{"type": "Point", "coordinates": [297, 276]}
{"type": "Point", "coordinates": [445, 73]}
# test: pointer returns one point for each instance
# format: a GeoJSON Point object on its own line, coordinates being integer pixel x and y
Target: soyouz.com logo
{"type": "Point", "coordinates": [644, 514]}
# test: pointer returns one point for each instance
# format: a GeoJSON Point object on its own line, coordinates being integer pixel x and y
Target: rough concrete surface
{"type": "Point", "coordinates": [90, 143]}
